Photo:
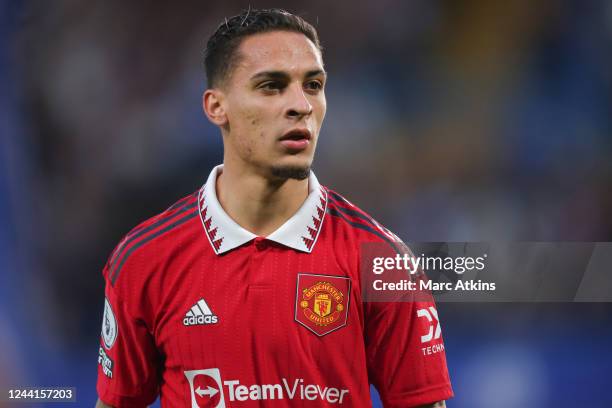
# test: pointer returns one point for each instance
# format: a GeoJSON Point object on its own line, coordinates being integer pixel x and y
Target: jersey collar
{"type": "Point", "coordinates": [300, 232]}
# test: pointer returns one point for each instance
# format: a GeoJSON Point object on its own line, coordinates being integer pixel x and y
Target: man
{"type": "Point", "coordinates": [247, 292]}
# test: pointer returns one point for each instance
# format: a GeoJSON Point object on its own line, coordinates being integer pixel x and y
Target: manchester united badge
{"type": "Point", "coordinates": [322, 302]}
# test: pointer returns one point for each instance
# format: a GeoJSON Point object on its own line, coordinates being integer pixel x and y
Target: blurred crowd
{"type": "Point", "coordinates": [447, 121]}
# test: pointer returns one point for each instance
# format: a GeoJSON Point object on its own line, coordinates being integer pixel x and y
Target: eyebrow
{"type": "Point", "coordinates": [282, 75]}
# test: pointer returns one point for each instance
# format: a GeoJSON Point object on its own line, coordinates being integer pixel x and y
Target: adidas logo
{"type": "Point", "coordinates": [200, 313]}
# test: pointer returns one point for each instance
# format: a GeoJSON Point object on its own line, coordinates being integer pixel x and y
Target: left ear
{"type": "Point", "coordinates": [212, 104]}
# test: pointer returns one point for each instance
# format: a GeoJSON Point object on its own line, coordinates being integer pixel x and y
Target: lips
{"type": "Point", "coordinates": [296, 139]}
{"type": "Point", "coordinates": [297, 134]}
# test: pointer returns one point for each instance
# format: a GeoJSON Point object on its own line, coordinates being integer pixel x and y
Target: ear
{"type": "Point", "coordinates": [212, 103]}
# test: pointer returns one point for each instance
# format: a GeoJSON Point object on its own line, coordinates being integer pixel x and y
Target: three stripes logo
{"type": "Point", "coordinates": [200, 314]}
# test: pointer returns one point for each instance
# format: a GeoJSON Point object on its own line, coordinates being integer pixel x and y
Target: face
{"type": "Point", "coordinates": [272, 105]}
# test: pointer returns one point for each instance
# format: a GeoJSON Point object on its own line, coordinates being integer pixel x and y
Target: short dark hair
{"type": "Point", "coordinates": [220, 55]}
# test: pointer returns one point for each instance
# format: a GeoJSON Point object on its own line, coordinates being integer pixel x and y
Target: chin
{"type": "Point", "coordinates": [291, 171]}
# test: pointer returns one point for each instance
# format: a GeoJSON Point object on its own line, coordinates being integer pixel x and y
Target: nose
{"type": "Point", "coordinates": [298, 105]}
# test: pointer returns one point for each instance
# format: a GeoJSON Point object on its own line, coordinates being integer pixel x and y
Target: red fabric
{"type": "Point", "coordinates": [257, 341]}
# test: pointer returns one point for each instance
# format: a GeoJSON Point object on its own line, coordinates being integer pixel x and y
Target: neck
{"type": "Point", "coordinates": [258, 204]}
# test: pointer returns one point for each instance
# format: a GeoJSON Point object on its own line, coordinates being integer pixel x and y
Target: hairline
{"type": "Point", "coordinates": [236, 55]}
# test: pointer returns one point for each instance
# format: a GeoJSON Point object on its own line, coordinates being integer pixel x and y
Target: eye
{"type": "Point", "coordinates": [270, 86]}
{"type": "Point", "coordinates": [314, 85]}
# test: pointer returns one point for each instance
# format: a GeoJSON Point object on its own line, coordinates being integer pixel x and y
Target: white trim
{"type": "Point", "coordinates": [291, 233]}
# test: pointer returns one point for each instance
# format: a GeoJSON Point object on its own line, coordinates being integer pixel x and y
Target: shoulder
{"type": "Point", "coordinates": [138, 247]}
{"type": "Point", "coordinates": [358, 224]}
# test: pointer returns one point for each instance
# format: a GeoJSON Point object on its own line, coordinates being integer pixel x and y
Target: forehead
{"type": "Point", "coordinates": [277, 51]}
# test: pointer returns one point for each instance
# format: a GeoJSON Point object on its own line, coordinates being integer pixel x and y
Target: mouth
{"type": "Point", "coordinates": [296, 139]}
{"type": "Point", "coordinates": [297, 134]}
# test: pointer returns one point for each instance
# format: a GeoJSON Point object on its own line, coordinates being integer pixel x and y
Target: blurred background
{"type": "Point", "coordinates": [447, 121]}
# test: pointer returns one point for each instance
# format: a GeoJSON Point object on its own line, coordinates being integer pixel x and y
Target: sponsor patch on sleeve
{"type": "Point", "coordinates": [105, 362]}
{"type": "Point", "coordinates": [109, 326]}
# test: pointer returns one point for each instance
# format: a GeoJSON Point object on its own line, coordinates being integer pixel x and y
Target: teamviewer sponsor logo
{"type": "Point", "coordinates": [200, 314]}
{"type": "Point", "coordinates": [208, 390]}
{"type": "Point", "coordinates": [205, 386]}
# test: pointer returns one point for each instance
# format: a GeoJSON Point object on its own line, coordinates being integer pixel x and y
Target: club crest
{"type": "Point", "coordinates": [322, 302]}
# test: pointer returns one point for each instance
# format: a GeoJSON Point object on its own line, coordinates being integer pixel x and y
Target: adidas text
{"type": "Point", "coordinates": [196, 320]}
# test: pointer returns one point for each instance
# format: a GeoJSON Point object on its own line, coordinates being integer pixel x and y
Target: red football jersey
{"type": "Point", "coordinates": [210, 315]}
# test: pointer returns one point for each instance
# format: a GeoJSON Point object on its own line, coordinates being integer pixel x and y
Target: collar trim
{"type": "Point", "coordinates": [299, 232]}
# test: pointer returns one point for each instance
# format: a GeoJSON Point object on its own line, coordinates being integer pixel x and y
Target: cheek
{"type": "Point", "coordinates": [319, 108]}
{"type": "Point", "coordinates": [319, 104]}
{"type": "Point", "coordinates": [248, 128]}
{"type": "Point", "coordinates": [247, 118]}
{"type": "Point", "coordinates": [253, 127]}
{"type": "Point", "coordinates": [323, 109]}
{"type": "Point", "coordinates": [251, 118]}
{"type": "Point", "coordinates": [257, 124]}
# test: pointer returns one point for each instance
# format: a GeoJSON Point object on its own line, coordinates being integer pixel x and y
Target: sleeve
{"type": "Point", "coordinates": [127, 358]}
{"type": "Point", "coordinates": [405, 351]}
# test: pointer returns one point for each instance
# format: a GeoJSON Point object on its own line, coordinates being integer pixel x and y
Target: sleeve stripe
{"type": "Point", "coordinates": [134, 236]}
{"type": "Point", "coordinates": [337, 200]}
{"type": "Point", "coordinates": [127, 254]}
{"type": "Point", "coordinates": [334, 212]}
{"type": "Point", "coordinates": [354, 213]}
{"type": "Point", "coordinates": [174, 206]}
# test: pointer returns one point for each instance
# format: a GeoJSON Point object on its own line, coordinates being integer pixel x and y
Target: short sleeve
{"type": "Point", "coordinates": [405, 350]}
{"type": "Point", "coordinates": [127, 359]}
{"type": "Point", "coordinates": [406, 355]}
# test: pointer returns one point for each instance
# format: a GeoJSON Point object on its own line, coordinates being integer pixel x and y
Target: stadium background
{"type": "Point", "coordinates": [447, 120]}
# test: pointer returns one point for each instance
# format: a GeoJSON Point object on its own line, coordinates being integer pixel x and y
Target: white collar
{"type": "Point", "coordinates": [298, 232]}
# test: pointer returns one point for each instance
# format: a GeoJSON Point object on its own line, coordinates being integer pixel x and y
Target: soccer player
{"type": "Point", "coordinates": [247, 293]}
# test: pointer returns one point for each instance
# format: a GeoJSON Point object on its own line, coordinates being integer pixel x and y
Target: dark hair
{"type": "Point", "coordinates": [220, 55]}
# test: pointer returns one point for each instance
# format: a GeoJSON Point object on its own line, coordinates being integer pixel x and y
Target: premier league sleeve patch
{"type": "Point", "coordinates": [322, 302]}
{"type": "Point", "coordinates": [109, 326]}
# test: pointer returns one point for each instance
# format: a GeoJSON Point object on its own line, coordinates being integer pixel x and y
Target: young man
{"type": "Point", "coordinates": [247, 292]}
